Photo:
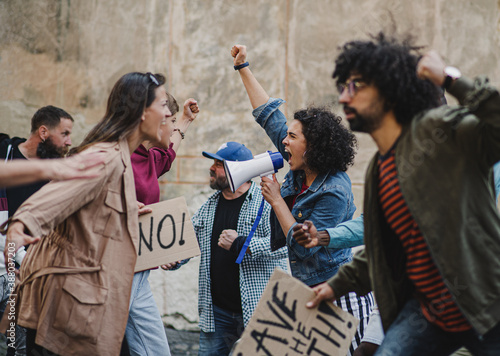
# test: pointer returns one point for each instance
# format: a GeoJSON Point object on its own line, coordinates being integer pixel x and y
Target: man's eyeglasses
{"type": "Point", "coordinates": [352, 86]}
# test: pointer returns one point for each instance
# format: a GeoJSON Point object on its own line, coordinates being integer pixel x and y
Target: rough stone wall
{"type": "Point", "coordinates": [70, 53]}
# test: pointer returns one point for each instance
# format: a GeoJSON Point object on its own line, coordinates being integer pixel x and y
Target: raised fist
{"type": "Point", "coordinates": [431, 67]}
{"type": "Point", "coordinates": [239, 53]}
{"type": "Point", "coordinates": [191, 109]}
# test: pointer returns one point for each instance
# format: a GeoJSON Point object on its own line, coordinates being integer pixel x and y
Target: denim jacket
{"type": "Point", "coordinates": [496, 176]}
{"type": "Point", "coordinates": [327, 202]}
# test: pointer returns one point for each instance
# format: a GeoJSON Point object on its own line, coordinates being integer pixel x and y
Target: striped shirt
{"type": "Point", "coordinates": [435, 299]}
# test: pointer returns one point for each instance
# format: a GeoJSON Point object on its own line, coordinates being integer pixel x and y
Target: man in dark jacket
{"type": "Point", "coordinates": [431, 227]}
{"type": "Point", "coordinates": [50, 137]}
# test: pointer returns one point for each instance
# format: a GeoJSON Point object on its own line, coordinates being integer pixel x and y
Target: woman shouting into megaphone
{"type": "Point", "coordinates": [319, 149]}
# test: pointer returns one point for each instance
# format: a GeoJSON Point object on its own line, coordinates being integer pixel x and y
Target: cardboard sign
{"type": "Point", "coordinates": [282, 325]}
{"type": "Point", "coordinates": [166, 235]}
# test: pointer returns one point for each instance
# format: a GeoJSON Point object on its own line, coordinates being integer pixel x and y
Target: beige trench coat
{"type": "Point", "coordinates": [76, 281]}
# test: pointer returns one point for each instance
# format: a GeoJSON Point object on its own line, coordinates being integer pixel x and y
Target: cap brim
{"type": "Point", "coordinates": [212, 156]}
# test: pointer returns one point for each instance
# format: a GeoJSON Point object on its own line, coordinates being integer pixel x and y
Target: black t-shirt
{"type": "Point", "coordinates": [224, 271]}
{"type": "Point", "coordinates": [16, 195]}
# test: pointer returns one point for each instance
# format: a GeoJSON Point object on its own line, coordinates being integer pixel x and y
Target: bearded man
{"type": "Point", "coordinates": [229, 292]}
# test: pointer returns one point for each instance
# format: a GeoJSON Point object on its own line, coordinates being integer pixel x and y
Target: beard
{"type": "Point", "coordinates": [362, 124]}
{"type": "Point", "coordinates": [219, 183]}
{"type": "Point", "coordinates": [367, 122]}
{"type": "Point", "coordinates": [48, 149]}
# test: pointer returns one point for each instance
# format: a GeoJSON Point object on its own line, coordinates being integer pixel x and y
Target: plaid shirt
{"type": "Point", "coordinates": [255, 269]}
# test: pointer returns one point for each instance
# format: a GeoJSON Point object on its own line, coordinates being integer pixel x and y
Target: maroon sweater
{"type": "Point", "coordinates": [148, 166]}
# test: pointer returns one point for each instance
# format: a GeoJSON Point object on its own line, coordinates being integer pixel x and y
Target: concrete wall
{"type": "Point", "coordinates": [70, 53]}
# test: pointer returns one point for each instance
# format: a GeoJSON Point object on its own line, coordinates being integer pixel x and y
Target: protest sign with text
{"type": "Point", "coordinates": [282, 325]}
{"type": "Point", "coordinates": [166, 235]}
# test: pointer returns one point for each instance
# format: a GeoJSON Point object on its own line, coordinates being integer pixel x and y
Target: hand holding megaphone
{"type": "Point", "coordinates": [240, 172]}
{"type": "Point", "coordinates": [271, 190]}
{"type": "Point", "coordinates": [261, 165]}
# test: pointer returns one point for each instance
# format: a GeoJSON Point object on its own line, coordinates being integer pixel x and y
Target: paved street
{"type": "Point", "coordinates": [182, 343]}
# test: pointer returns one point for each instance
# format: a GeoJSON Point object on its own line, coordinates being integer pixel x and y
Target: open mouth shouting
{"type": "Point", "coordinates": [289, 154]}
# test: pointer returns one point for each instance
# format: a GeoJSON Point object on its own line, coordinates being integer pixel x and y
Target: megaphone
{"type": "Point", "coordinates": [239, 172]}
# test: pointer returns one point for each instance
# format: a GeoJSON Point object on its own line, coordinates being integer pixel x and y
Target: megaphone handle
{"type": "Point", "coordinates": [250, 235]}
{"type": "Point", "coordinates": [270, 176]}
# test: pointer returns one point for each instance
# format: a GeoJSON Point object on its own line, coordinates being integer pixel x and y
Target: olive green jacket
{"type": "Point", "coordinates": [444, 160]}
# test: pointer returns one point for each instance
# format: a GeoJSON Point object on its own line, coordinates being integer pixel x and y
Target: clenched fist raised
{"type": "Point", "coordinates": [239, 53]}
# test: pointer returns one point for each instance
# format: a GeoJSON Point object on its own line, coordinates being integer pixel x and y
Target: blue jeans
{"type": "Point", "coordinates": [145, 331]}
{"type": "Point", "coordinates": [228, 329]}
{"type": "Point", "coordinates": [411, 334]}
{"type": "Point", "coordinates": [20, 338]}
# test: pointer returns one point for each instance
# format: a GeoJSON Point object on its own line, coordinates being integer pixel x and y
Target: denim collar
{"type": "Point", "coordinates": [298, 178]}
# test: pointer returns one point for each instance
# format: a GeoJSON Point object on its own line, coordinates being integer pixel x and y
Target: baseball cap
{"type": "Point", "coordinates": [230, 151]}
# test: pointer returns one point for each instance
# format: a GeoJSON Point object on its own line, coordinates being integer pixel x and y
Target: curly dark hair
{"type": "Point", "coordinates": [330, 145]}
{"type": "Point", "coordinates": [390, 65]}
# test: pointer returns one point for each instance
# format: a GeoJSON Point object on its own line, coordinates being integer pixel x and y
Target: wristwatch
{"type": "Point", "coordinates": [451, 74]}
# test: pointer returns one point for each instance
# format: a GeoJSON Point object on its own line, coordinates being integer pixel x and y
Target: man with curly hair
{"type": "Point", "coordinates": [431, 227]}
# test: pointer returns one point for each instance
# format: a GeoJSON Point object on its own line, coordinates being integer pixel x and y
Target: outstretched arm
{"type": "Point", "coordinates": [255, 91]}
{"type": "Point", "coordinates": [344, 235]}
{"type": "Point", "coordinates": [18, 172]}
{"type": "Point", "coordinates": [308, 236]}
{"type": "Point", "coordinates": [351, 277]}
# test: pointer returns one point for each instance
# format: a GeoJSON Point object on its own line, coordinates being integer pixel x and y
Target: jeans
{"type": "Point", "coordinates": [411, 334]}
{"type": "Point", "coordinates": [20, 332]}
{"type": "Point", "coordinates": [228, 329]}
{"type": "Point", "coordinates": [145, 331]}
